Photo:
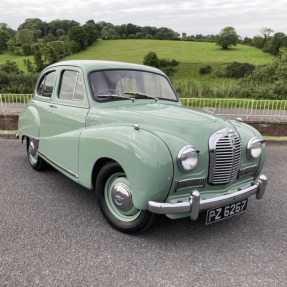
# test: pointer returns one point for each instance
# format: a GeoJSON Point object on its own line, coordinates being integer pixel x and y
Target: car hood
{"type": "Point", "coordinates": [168, 112]}
{"type": "Point", "coordinates": [171, 123]}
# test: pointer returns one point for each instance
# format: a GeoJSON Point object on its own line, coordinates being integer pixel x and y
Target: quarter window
{"type": "Point", "coordinates": [46, 86]}
{"type": "Point", "coordinates": [71, 86]}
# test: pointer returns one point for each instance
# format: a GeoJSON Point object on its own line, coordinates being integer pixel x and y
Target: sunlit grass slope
{"type": "Point", "coordinates": [187, 52]}
{"type": "Point", "coordinates": [18, 59]}
{"type": "Point", "coordinates": [191, 55]}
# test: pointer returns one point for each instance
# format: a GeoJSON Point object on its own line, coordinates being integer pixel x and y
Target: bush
{"type": "Point", "coordinates": [239, 70]}
{"type": "Point", "coordinates": [151, 59]}
{"type": "Point", "coordinates": [10, 67]}
{"type": "Point", "coordinates": [167, 66]}
{"type": "Point", "coordinates": [205, 70]}
{"type": "Point", "coordinates": [17, 83]}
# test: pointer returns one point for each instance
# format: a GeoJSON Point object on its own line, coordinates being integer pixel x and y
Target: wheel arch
{"type": "Point", "coordinates": [97, 167]}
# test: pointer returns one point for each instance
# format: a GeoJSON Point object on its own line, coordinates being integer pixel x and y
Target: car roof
{"type": "Point", "coordinates": [94, 65]}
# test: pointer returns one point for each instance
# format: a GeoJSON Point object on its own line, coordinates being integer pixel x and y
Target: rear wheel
{"type": "Point", "coordinates": [36, 162]}
{"type": "Point", "coordinates": [114, 197]}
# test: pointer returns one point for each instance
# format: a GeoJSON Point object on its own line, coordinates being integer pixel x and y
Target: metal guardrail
{"type": "Point", "coordinates": [14, 103]}
{"type": "Point", "coordinates": [240, 107]}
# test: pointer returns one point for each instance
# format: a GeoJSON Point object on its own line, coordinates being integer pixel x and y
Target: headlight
{"type": "Point", "coordinates": [254, 147]}
{"type": "Point", "coordinates": [187, 158]}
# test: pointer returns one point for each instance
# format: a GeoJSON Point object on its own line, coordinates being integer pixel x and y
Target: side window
{"type": "Point", "coordinates": [71, 86]}
{"type": "Point", "coordinates": [46, 86]}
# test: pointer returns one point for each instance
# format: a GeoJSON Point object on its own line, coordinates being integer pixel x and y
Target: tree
{"type": "Point", "coordinates": [79, 35]}
{"type": "Point", "coordinates": [278, 41]}
{"type": "Point", "coordinates": [29, 66]}
{"type": "Point", "coordinates": [91, 32]}
{"type": "Point", "coordinates": [266, 33]}
{"type": "Point", "coordinates": [66, 25]}
{"type": "Point", "coordinates": [122, 30]}
{"type": "Point", "coordinates": [227, 38]}
{"type": "Point", "coordinates": [4, 38]}
{"type": "Point", "coordinates": [109, 32]}
{"type": "Point", "coordinates": [39, 62]}
{"type": "Point", "coordinates": [11, 46]}
{"type": "Point", "coordinates": [166, 34]}
{"type": "Point", "coordinates": [25, 36]}
{"type": "Point", "coordinates": [35, 24]}
{"type": "Point", "coordinates": [259, 41]}
{"type": "Point", "coordinates": [5, 27]}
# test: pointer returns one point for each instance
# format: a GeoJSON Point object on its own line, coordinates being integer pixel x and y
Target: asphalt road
{"type": "Point", "coordinates": [52, 234]}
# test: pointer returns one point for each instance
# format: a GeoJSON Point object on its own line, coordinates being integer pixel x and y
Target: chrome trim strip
{"type": "Point", "coordinates": [195, 204]}
{"type": "Point", "coordinates": [250, 143]}
{"type": "Point", "coordinates": [190, 183]}
{"type": "Point", "coordinates": [57, 165]}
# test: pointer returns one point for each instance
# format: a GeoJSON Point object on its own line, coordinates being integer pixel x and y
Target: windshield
{"type": "Point", "coordinates": [127, 84]}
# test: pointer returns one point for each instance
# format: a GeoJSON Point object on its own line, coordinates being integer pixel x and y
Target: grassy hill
{"type": "Point", "coordinates": [186, 52]}
{"type": "Point", "coordinates": [18, 59]}
{"type": "Point", "coordinates": [191, 55]}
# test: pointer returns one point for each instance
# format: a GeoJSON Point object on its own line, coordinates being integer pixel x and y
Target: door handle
{"type": "Point", "coordinates": [53, 106]}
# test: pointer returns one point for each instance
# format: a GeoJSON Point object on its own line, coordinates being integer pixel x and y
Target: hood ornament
{"type": "Point", "coordinates": [209, 110]}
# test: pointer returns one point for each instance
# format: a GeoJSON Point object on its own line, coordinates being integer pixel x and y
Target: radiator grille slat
{"type": "Point", "coordinates": [225, 156]}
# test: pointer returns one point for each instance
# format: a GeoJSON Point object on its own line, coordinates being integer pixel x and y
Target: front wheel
{"type": "Point", "coordinates": [114, 197]}
{"type": "Point", "coordinates": [36, 162]}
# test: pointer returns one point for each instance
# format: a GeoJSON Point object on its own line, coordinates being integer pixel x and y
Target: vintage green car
{"type": "Point", "coordinates": [121, 130]}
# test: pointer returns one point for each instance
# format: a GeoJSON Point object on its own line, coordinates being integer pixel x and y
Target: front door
{"type": "Point", "coordinates": [69, 111]}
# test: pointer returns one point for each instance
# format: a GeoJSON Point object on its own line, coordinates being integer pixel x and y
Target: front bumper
{"type": "Point", "coordinates": [195, 204]}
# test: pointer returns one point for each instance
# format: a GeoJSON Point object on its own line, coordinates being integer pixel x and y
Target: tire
{"type": "Point", "coordinates": [36, 162]}
{"type": "Point", "coordinates": [120, 213]}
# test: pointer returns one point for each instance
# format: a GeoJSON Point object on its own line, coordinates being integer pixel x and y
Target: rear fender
{"type": "Point", "coordinates": [29, 123]}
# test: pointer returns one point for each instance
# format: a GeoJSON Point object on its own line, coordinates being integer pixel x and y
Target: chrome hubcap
{"type": "Point", "coordinates": [122, 197]}
{"type": "Point", "coordinates": [32, 148]}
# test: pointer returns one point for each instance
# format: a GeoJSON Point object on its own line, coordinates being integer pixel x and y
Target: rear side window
{"type": "Point", "coordinates": [71, 86]}
{"type": "Point", "coordinates": [46, 86]}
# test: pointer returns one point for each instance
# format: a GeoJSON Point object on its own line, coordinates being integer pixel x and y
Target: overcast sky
{"type": "Point", "coordinates": [192, 17]}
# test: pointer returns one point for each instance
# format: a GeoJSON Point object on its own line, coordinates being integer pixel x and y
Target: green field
{"type": "Point", "coordinates": [18, 59]}
{"type": "Point", "coordinates": [191, 55]}
{"type": "Point", "coordinates": [187, 52]}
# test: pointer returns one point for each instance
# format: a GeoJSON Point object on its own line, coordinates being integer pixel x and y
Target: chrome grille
{"type": "Point", "coordinates": [225, 156]}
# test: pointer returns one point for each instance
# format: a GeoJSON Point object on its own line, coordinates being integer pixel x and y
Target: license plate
{"type": "Point", "coordinates": [226, 211]}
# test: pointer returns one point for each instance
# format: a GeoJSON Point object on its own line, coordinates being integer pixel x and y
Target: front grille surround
{"type": "Point", "coordinates": [225, 151]}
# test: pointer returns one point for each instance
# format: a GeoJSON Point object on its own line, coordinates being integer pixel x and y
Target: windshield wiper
{"type": "Point", "coordinates": [115, 96]}
{"type": "Point", "coordinates": [141, 95]}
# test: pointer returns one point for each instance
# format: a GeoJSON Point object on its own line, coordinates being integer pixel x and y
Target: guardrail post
{"type": "Point", "coordinates": [1, 104]}
{"type": "Point", "coordinates": [251, 109]}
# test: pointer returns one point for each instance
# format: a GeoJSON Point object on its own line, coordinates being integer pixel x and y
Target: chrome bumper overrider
{"type": "Point", "coordinates": [195, 204]}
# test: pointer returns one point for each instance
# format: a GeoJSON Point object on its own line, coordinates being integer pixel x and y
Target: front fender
{"type": "Point", "coordinates": [144, 157]}
{"type": "Point", "coordinates": [246, 133]}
